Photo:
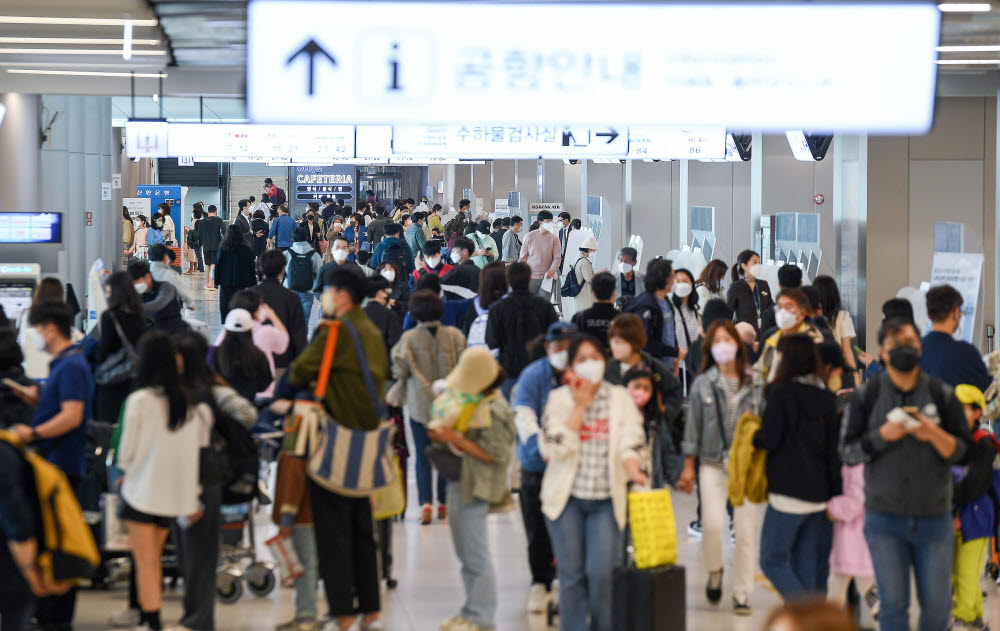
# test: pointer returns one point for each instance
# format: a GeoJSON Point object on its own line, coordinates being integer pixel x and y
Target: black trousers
{"type": "Point", "coordinates": [198, 549]}
{"type": "Point", "coordinates": [17, 603]}
{"type": "Point", "coordinates": [345, 547]}
{"type": "Point", "coordinates": [540, 558]}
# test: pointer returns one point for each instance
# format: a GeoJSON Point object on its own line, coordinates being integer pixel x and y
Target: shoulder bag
{"type": "Point", "coordinates": [120, 366]}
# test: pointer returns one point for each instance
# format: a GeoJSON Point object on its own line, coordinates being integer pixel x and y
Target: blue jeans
{"type": "Point", "coordinates": [588, 546]}
{"type": "Point", "coordinates": [795, 552]}
{"type": "Point", "coordinates": [926, 544]}
{"type": "Point", "coordinates": [469, 535]}
{"type": "Point", "coordinates": [306, 298]}
{"type": "Point", "coordinates": [201, 258]}
{"type": "Point", "coordinates": [307, 585]}
{"type": "Point", "coordinates": [507, 387]}
{"type": "Point", "coordinates": [425, 472]}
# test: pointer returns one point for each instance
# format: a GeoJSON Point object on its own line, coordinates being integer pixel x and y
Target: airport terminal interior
{"type": "Point", "coordinates": [690, 308]}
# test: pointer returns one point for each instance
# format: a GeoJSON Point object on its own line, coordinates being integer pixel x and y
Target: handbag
{"type": "Point", "coordinates": [447, 462]}
{"type": "Point", "coordinates": [654, 531]}
{"type": "Point", "coordinates": [349, 462]}
{"type": "Point", "coordinates": [118, 367]}
{"type": "Point", "coordinates": [390, 501]}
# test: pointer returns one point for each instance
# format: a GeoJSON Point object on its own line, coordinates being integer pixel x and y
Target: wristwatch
{"type": "Point", "coordinates": [34, 435]}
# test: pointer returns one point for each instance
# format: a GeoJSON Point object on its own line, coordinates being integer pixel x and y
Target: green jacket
{"type": "Point", "coordinates": [487, 481]}
{"type": "Point", "coordinates": [347, 398]}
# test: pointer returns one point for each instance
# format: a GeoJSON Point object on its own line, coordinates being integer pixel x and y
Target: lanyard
{"type": "Point", "coordinates": [756, 298]}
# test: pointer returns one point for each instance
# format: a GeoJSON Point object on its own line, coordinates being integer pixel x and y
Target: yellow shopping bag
{"type": "Point", "coordinates": [654, 531]}
{"type": "Point", "coordinates": [389, 501]}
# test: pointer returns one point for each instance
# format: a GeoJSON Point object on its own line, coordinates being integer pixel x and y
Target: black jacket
{"type": "Point", "coordinates": [259, 243]}
{"type": "Point", "coordinates": [243, 224]}
{"type": "Point", "coordinates": [286, 305]}
{"type": "Point", "coordinates": [387, 321]}
{"type": "Point", "coordinates": [647, 307]}
{"type": "Point", "coordinates": [740, 300]}
{"type": "Point", "coordinates": [596, 320]}
{"type": "Point", "coordinates": [235, 268]}
{"type": "Point", "coordinates": [465, 275]}
{"type": "Point", "coordinates": [513, 322]}
{"type": "Point", "coordinates": [211, 229]}
{"type": "Point", "coordinates": [801, 432]}
{"type": "Point", "coordinates": [376, 230]}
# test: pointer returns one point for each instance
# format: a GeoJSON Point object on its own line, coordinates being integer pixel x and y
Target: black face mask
{"type": "Point", "coordinates": [904, 358]}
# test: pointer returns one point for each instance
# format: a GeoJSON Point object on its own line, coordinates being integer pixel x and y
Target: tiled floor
{"type": "Point", "coordinates": [430, 588]}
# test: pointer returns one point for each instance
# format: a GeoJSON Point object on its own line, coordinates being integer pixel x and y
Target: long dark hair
{"type": "Point", "coordinates": [692, 297]}
{"type": "Point", "coordinates": [799, 358]}
{"type": "Point", "coordinates": [193, 349]}
{"type": "Point", "coordinates": [158, 369]}
{"type": "Point", "coordinates": [123, 294]}
{"type": "Point", "coordinates": [711, 277]}
{"type": "Point", "coordinates": [234, 238]}
{"type": "Point", "coordinates": [741, 260]}
{"type": "Point", "coordinates": [492, 283]}
{"type": "Point", "coordinates": [707, 361]}
{"type": "Point", "coordinates": [237, 355]}
{"type": "Point", "coordinates": [829, 296]}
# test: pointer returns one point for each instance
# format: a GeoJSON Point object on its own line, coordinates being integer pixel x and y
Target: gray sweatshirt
{"type": "Point", "coordinates": [907, 477]}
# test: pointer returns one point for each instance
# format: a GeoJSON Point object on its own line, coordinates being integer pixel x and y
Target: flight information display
{"type": "Point", "coordinates": [30, 227]}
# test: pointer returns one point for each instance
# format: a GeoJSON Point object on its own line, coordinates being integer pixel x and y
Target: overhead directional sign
{"type": "Point", "coordinates": [509, 141]}
{"type": "Point", "coordinates": [592, 63]}
{"type": "Point", "coordinates": [240, 143]}
{"type": "Point", "coordinates": [677, 143]}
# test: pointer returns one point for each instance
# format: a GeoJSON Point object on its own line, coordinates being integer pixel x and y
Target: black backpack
{"type": "Point", "coordinates": [236, 459]}
{"type": "Point", "coordinates": [571, 287]}
{"type": "Point", "coordinates": [395, 253]}
{"type": "Point", "coordinates": [300, 271]}
{"type": "Point", "coordinates": [281, 197]}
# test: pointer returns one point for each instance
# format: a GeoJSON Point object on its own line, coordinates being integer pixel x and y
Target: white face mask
{"type": "Point", "coordinates": [35, 339]}
{"type": "Point", "coordinates": [141, 287]}
{"type": "Point", "coordinates": [682, 290]}
{"type": "Point", "coordinates": [559, 360]}
{"type": "Point", "coordinates": [590, 369]}
{"type": "Point", "coordinates": [456, 257]}
{"type": "Point", "coordinates": [340, 255]}
{"type": "Point", "coordinates": [433, 261]}
{"type": "Point", "coordinates": [547, 226]}
{"type": "Point", "coordinates": [620, 349]}
{"type": "Point", "coordinates": [624, 267]}
{"type": "Point", "coordinates": [785, 319]}
{"type": "Point", "coordinates": [481, 235]}
{"type": "Point", "coordinates": [755, 270]}
{"type": "Point", "coordinates": [389, 275]}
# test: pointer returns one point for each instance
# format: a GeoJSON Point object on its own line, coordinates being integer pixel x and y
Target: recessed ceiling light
{"type": "Point", "coordinates": [100, 41]}
{"type": "Point", "coordinates": [964, 7]}
{"type": "Point", "coordinates": [74, 51]}
{"type": "Point", "coordinates": [24, 19]}
{"type": "Point", "coordinates": [88, 73]}
{"type": "Point", "coordinates": [989, 48]}
{"type": "Point", "coordinates": [966, 62]}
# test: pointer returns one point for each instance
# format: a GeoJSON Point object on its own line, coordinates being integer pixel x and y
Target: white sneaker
{"type": "Point", "coordinates": [453, 624]}
{"type": "Point", "coordinates": [125, 619]}
{"type": "Point", "coordinates": [537, 598]}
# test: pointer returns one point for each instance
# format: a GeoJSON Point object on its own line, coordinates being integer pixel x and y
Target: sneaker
{"type": "Point", "coordinates": [872, 600]}
{"type": "Point", "coordinates": [694, 529]}
{"type": "Point", "coordinates": [125, 619]}
{"type": "Point", "coordinates": [713, 589]}
{"type": "Point", "coordinates": [442, 512]}
{"type": "Point", "coordinates": [453, 624]}
{"type": "Point", "coordinates": [538, 596]}
{"type": "Point", "coordinates": [374, 625]}
{"type": "Point", "coordinates": [426, 514]}
{"type": "Point", "coordinates": [298, 625]}
{"type": "Point", "coordinates": [741, 607]}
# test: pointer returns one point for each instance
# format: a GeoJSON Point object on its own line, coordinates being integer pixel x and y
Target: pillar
{"type": "Point", "coordinates": [20, 153]}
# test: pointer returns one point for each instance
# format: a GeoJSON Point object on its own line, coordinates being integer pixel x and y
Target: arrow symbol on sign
{"type": "Point", "coordinates": [610, 136]}
{"type": "Point", "coordinates": [311, 48]}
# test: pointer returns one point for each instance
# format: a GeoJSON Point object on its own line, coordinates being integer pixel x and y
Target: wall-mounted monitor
{"type": "Point", "coordinates": [30, 227]}
{"type": "Point", "coordinates": [785, 224]}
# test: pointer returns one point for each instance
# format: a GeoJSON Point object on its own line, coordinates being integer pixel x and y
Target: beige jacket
{"type": "Point", "coordinates": [418, 360]}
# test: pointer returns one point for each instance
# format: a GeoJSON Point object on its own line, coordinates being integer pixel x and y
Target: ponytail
{"type": "Point", "coordinates": [737, 272]}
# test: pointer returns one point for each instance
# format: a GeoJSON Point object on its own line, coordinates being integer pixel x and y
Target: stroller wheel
{"type": "Point", "coordinates": [992, 571]}
{"type": "Point", "coordinates": [228, 586]}
{"type": "Point", "coordinates": [260, 579]}
{"type": "Point", "coordinates": [551, 611]}
{"type": "Point", "coordinates": [391, 583]}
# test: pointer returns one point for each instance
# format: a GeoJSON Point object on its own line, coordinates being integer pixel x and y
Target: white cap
{"type": "Point", "coordinates": [590, 243]}
{"type": "Point", "coordinates": [238, 321]}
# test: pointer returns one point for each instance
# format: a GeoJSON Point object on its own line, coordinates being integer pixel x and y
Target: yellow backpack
{"type": "Point", "coordinates": [66, 550]}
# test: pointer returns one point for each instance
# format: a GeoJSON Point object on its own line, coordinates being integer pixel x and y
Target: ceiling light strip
{"type": "Point", "coordinates": [71, 51]}
{"type": "Point", "coordinates": [986, 48]}
{"type": "Point", "coordinates": [966, 62]}
{"type": "Point", "coordinates": [89, 73]}
{"type": "Point", "coordinates": [964, 7]}
{"type": "Point", "coordinates": [24, 19]}
{"type": "Point", "coordinates": [101, 41]}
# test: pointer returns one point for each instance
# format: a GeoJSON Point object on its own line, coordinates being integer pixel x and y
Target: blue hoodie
{"type": "Point", "coordinates": [537, 380]}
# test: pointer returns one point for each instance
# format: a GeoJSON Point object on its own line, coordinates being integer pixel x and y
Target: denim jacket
{"type": "Point", "coordinates": [701, 430]}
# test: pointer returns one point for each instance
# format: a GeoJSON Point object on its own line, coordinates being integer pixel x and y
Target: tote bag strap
{"type": "Point", "coordinates": [129, 349]}
{"type": "Point", "coordinates": [366, 372]}
{"type": "Point", "coordinates": [323, 379]}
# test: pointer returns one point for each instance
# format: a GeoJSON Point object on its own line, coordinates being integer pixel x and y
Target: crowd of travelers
{"type": "Point", "coordinates": [878, 467]}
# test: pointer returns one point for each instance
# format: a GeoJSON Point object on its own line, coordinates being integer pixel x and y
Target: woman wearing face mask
{"type": "Point", "coordinates": [584, 268]}
{"type": "Point", "coordinates": [335, 230]}
{"type": "Point", "coordinates": [124, 315]}
{"type": "Point", "coordinates": [709, 283]}
{"type": "Point", "coordinates": [592, 438]}
{"type": "Point", "coordinates": [627, 338]}
{"type": "Point", "coordinates": [356, 235]}
{"type": "Point", "coordinates": [139, 243]}
{"type": "Point", "coordinates": [688, 322]}
{"type": "Point", "coordinates": [311, 223]}
{"type": "Point", "coordinates": [749, 296]}
{"type": "Point", "coordinates": [399, 296]}
{"type": "Point", "coordinates": [155, 233]}
{"type": "Point", "coordinates": [486, 248]}
{"type": "Point", "coordinates": [726, 388]}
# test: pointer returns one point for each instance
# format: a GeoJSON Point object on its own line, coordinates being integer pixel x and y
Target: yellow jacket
{"type": "Point", "coordinates": [747, 464]}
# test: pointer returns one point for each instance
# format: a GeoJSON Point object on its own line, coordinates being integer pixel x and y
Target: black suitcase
{"type": "Point", "coordinates": [648, 600]}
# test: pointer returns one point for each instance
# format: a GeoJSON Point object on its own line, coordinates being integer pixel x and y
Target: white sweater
{"type": "Point", "coordinates": [561, 448]}
{"type": "Point", "coordinates": [161, 466]}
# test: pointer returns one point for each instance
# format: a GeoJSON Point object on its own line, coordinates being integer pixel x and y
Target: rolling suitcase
{"type": "Point", "coordinates": [648, 600]}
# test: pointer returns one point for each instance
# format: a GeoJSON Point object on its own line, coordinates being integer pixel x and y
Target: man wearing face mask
{"type": "Point", "coordinates": [629, 283]}
{"type": "Point", "coordinates": [953, 361]}
{"type": "Point", "coordinates": [793, 307]}
{"type": "Point", "coordinates": [530, 395]}
{"type": "Point", "coordinates": [909, 430]}
{"type": "Point", "coordinates": [303, 266]}
{"type": "Point", "coordinates": [159, 300]}
{"type": "Point", "coordinates": [160, 260]}
{"type": "Point", "coordinates": [542, 253]}
{"type": "Point", "coordinates": [433, 263]}
{"type": "Point", "coordinates": [789, 277]}
{"type": "Point", "coordinates": [462, 282]}
{"type": "Point", "coordinates": [486, 248]}
{"type": "Point", "coordinates": [657, 313]}
{"type": "Point", "coordinates": [510, 245]}
{"type": "Point", "coordinates": [242, 222]}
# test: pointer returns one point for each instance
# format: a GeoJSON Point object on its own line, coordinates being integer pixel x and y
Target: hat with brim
{"type": "Point", "coordinates": [476, 370]}
{"type": "Point", "coordinates": [238, 321]}
{"type": "Point", "coordinates": [590, 243]}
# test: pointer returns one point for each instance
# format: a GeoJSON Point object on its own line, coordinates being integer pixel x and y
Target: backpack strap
{"type": "Point", "coordinates": [323, 379]}
{"type": "Point", "coordinates": [366, 372]}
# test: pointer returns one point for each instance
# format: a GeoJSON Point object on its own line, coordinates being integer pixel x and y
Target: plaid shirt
{"type": "Point", "coordinates": [593, 479]}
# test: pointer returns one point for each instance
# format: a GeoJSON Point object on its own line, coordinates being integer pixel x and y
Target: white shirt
{"type": "Point", "coordinates": [843, 326]}
{"type": "Point", "coordinates": [161, 465]}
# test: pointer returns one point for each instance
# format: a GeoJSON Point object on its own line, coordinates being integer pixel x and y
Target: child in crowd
{"type": "Point", "coordinates": [457, 407]}
{"type": "Point", "coordinates": [663, 439]}
{"type": "Point", "coordinates": [976, 515]}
